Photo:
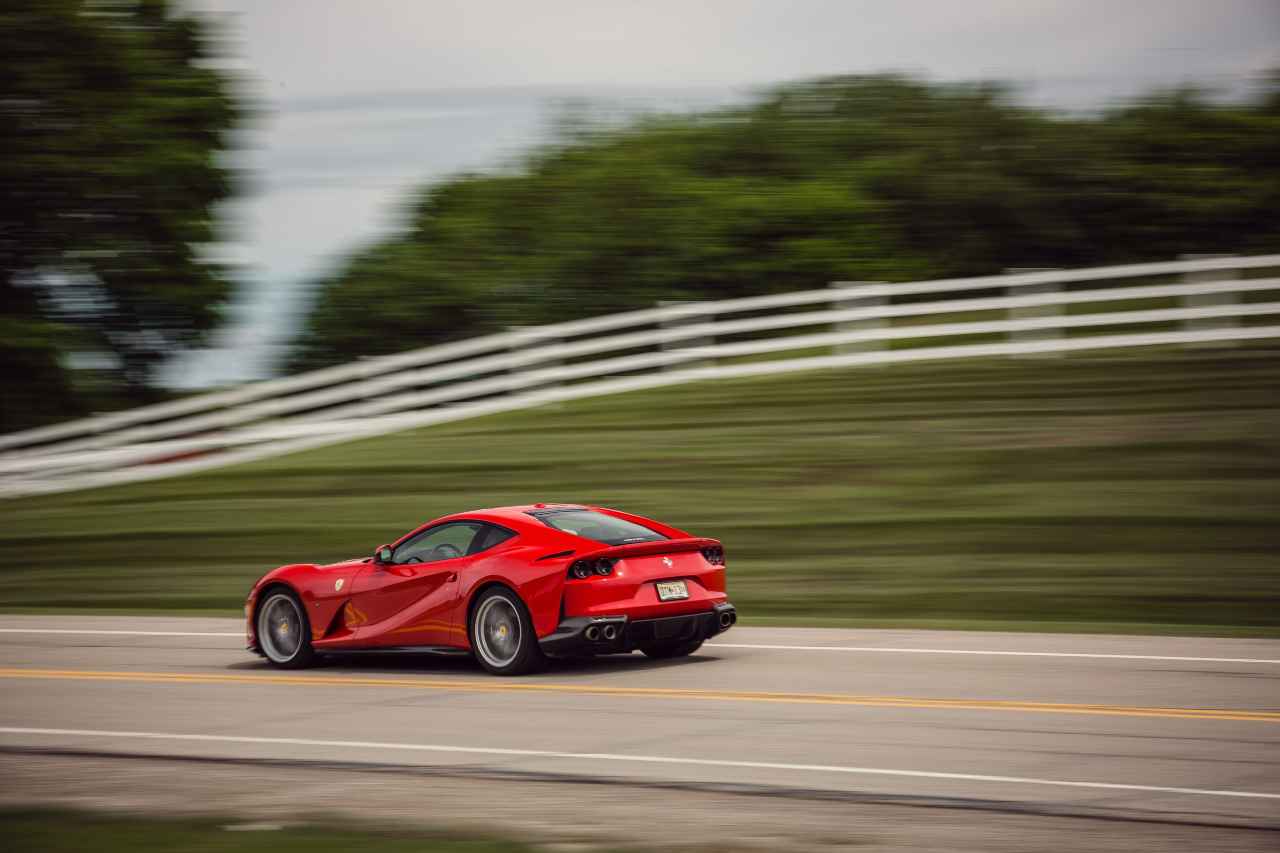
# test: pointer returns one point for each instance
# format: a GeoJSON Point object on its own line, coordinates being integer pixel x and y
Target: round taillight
{"type": "Point", "coordinates": [581, 570]}
{"type": "Point", "coordinates": [604, 566]}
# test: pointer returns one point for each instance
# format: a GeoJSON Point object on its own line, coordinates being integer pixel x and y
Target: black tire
{"type": "Point", "coordinates": [497, 614]}
{"type": "Point", "coordinates": [283, 630]}
{"type": "Point", "coordinates": [672, 650]}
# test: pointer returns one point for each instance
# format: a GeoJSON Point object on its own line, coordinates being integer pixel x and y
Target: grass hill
{"type": "Point", "coordinates": [1132, 492]}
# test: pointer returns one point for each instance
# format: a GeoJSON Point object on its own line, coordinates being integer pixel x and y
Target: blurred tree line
{"type": "Point", "coordinates": [112, 120]}
{"type": "Point", "coordinates": [858, 178]}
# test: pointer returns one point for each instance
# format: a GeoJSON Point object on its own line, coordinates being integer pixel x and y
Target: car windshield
{"type": "Point", "coordinates": [598, 526]}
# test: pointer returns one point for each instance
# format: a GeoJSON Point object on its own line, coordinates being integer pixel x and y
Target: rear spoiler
{"type": "Point", "coordinates": [662, 546]}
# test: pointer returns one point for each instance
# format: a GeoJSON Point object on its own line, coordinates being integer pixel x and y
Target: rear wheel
{"type": "Point", "coordinates": [284, 634]}
{"type": "Point", "coordinates": [502, 634]}
{"type": "Point", "coordinates": [672, 650]}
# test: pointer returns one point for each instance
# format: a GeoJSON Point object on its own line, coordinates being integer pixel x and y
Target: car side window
{"type": "Point", "coordinates": [490, 536]}
{"type": "Point", "coordinates": [443, 542]}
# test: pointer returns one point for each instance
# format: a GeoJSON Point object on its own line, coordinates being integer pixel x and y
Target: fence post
{"type": "Point", "coordinates": [1205, 300]}
{"type": "Point", "coordinates": [685, 315]}
{"type": "Point", "coordinates": [843, 303]}
{"type": "Point", "coordinates": [1029, 335]}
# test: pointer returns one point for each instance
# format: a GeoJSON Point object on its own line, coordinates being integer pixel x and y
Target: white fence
{"type": "Point", "coordinates": [1190, 302]}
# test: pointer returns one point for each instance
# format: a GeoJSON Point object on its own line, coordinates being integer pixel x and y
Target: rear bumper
{"type": "Point", "coordinates": [606, 635]}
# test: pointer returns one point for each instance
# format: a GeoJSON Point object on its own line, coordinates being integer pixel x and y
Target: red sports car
{"type": "Point", "coordinates": [512, 585]}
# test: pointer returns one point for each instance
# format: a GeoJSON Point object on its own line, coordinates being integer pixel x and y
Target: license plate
{"type": "Point", "coordinates": [672, 590]}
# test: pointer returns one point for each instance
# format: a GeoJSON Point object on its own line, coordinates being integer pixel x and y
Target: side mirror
{"type": "Point", "coordinates": [382, 554]}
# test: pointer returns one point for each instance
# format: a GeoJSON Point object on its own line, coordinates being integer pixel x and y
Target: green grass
{"type": "Point", "coordinates": [1131, 491]}
{"type": "Point", "coordinates": [40, 831]}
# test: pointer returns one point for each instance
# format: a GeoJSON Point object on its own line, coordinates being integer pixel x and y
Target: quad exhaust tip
{"type": "Point", "coordinates": [593, 633]}
{"type": "Point", "coordinates": [726, 619]}
{"type": "Point", "coordinates": [610, 632]}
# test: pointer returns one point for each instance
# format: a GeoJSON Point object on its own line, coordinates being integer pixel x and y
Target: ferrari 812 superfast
{"type": "Point", "coordinates": [513, 586]}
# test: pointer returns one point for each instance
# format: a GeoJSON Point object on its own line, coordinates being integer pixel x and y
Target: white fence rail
{"type": "Point", "coordinates": [1194, 302]}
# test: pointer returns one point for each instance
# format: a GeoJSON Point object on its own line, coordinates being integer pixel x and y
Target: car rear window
{"type": "Point", "coordinates": [597, 526]}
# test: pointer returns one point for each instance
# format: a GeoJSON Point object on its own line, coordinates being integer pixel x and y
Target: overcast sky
{"type": "Point", "coordinates": [309, 48]}
{"type": "Point", "coordinates": [363, 100]}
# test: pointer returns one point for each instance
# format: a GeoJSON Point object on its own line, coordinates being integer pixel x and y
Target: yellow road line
{"type": "Point", "coordinates": [497, 686]}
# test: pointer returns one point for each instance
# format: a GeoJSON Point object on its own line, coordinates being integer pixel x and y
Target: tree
{"type": "Point", "coordinates": [112, 122]}
{"type": "Point", "coordinates": [854, 178]}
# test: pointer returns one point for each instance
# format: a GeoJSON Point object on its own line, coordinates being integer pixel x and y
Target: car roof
{"type": "Point", "coordinates": [520, 513]}
{"type": "Point", "coordinates": [525, 518]}
{"type": "Point", "coordinates": [529, 516]}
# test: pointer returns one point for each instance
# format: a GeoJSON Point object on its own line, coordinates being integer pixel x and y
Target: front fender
{"type": "Point", "coordinates": [323, 590]}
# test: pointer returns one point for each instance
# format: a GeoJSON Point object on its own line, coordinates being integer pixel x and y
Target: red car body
{"type": "Point", "coordinates": [369, 604]}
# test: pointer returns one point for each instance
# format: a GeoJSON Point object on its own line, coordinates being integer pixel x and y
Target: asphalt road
{"type": "Point", "coordinates": [1152, 731]}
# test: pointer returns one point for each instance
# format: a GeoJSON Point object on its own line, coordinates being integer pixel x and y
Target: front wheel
{"type": "Point", "coordinates": [502, 634]}
{"type": "Point", "coordinates": [284, 634]}
{"type": "Point", "coordinates": [672, 650]}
